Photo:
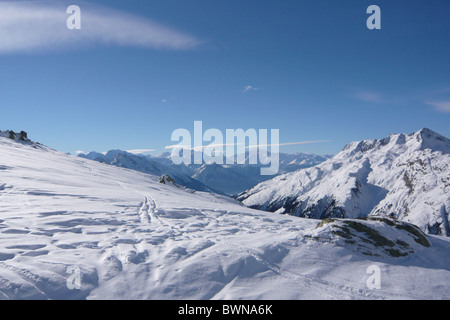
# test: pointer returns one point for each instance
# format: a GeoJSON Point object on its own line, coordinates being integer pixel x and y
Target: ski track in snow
{"type": "Point", "coordinates": [144, 211]}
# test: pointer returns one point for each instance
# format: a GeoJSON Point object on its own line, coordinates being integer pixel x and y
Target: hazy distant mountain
{"type": "Point", "coordinates": [147, 165]}
{"type": "Point", "coordinates": [233, 179]}
{"type": "Point", "coordinates": [224, 179]}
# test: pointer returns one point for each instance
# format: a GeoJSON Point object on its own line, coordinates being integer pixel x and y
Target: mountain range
{"type": "Point", "coordinates": [405, 176]}
{"type": "Point", "coordinates": [219, 178]}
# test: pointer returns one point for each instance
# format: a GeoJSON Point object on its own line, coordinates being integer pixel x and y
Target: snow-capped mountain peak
{"type": "Point", "coordinates": [420, 140]}
{"type": "Point", "coordinates": [404, 176]}
{"type": "Point", "coordinates": [433, 141]}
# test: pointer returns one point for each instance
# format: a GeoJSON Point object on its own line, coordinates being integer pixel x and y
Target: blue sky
{"type": "Point", "coordinates": [137, 70]}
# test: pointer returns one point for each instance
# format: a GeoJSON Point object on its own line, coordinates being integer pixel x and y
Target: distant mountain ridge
{"type": "Point", "coordinates": [218, 178]}
{"type": "Point", "coordinates": [146, 165]}
{"type": "Point", "coordinates": [403, 176]}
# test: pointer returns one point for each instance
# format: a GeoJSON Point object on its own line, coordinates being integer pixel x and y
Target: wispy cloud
{"type": "Point", "coordinates": [437, 97]}
{"type": "Point", "coordinates": [140, 151]}
{"type": "Point", "coordinates": [27, 26]}
{"type": "Point", "coordinates": [288, 144]}
{"type": "Point", "coordinates": [249, 88]}
{"type": "Point", "coordinates": [165, 100]}
{"type": "Point", "coordinates": [368, 96]}
{"type": "Point", "coordinates": [441, 106]}
{"type": "Point", "coordinates": [200, 148]}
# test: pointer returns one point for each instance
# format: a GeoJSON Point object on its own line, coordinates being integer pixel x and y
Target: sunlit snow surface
{"type": "Point", "coordinates": [135, 238]}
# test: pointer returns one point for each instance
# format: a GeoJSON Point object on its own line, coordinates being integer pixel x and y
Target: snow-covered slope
{"type": "Point", "coordinates": [128, 236]}
{"type": "Point", "coordinates": [404, 176]}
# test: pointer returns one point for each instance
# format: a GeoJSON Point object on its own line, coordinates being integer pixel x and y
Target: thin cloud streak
{"type": "Point", "coordinates": [441, 106]}
{"type": "Point", "coordinates": [288, 144]}
{"type": "Point", "coordinates": [249, 88]}
{"type": "Point", "coordinates": [140, 151]}
{"type": "Point", "coordinates": [199, 148]}
{"type": "Point", "coordinates": [28, 27]}
{"type": "Point", "coordinates": [368, 96]}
